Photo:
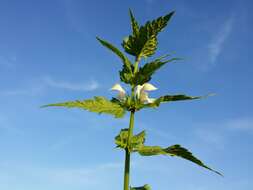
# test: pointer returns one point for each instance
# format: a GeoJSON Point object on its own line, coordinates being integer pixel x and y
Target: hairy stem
{"type": "Point", "coordinates": [128, 153]}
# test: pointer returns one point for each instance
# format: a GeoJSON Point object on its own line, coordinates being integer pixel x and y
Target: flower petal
{"type": "Point", "coordinates": [143, 96]}
{"type": "Point", "coordinates": [138, 90]}
{"type": "Point", "coordinates": [119, 88]}
{"type": "Point", "coordinates": [148, 87]}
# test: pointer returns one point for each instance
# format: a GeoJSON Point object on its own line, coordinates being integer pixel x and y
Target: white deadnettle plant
{"type": "Point", "coordinates": [140, 92]}
{"type": "Point", "coordinates": [142, 43]}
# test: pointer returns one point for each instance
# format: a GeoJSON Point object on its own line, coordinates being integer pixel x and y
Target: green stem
{"type": "Point", "coordinates": [130, 134]}
{"type": "Point", "coordinates": [128, 152]}
{"type": "Point", "coordinates": [127, 168]}
{"type": "Point", "coordinates": [137, 60]}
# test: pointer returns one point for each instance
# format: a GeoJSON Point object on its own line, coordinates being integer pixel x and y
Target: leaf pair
{"type": "Point", "coordinates": [136, 142]}
{"type": "Point", "coordinates": [115, 107]}
{"type": "Point", "coordinates": [137, 145]}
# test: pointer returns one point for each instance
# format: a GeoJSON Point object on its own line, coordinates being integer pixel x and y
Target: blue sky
{"type": "Point", "coordinates": [48, 53]}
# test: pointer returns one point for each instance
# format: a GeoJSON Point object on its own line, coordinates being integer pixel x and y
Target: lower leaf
{"type": "Point", "coordinates": [137, 141]}
{"type": "Point", "coordinates": [175, 150]}
{"type": "Point", "coordinates": [145, 187]}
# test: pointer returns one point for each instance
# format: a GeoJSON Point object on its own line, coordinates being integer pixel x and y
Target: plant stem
{"type": "Point", "coordinates": [137, 60]}
{"type": "Point", "coordinates": [130, 134]}
{"type": "Point", "coordinates": [127, 168]}
{"type": "Point", "coordinates": [128, 153]}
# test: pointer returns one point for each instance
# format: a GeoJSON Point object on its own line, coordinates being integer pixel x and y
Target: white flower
{"type": "Point", "coordinates": [142, 94]}
{"type": "Point", "coordinates": [122, 92]}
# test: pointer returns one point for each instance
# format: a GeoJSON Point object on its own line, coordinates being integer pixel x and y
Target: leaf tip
{"type": "Point", "coordinates": [44, 106]}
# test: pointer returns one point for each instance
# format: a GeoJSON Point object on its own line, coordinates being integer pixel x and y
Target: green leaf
{"type": "Point", "coordinates": [175, 150]}
{"type": "Point", "coordinates": [171, 98]}
{"type": "Point", "coordinates": [144, 74]}
{"type": "Point", "coordinates": [149, 47]}
{"type": "Point", "coordinates": [126, 75]}
{"type": "Point", "coordinates": [99, 105]}
{"type": "Point", "coordinates": [137, 141]}
{"type": "Point", "coordinates": [124, 59]}
{"type": "Point", "coordinates": [145, 187]}
{"type": "Point", "coordinates": [144, 43]}
{"type": "Point", "coordinates": [121, 139]}
{"type": "Point", "coordinates": [134, 24]}
{"type": "Point", "coordinates": [158, 24]}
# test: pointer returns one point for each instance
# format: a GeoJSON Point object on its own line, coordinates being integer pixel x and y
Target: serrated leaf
{"type": "Point", "coordinates": [124, 59]}
{"type": "Point", "coordinates": [145, 73]}
{"type": "Point", "coordinates": [121, 138]}
{"type": "Point", "coordinates": [98, 105]}
{"type": "Point", "coordinates": [126, 76]}
{"type": "Point", "coordinates": [134, 24]}
{"type": "Point", "coordinates": [144, 44]}
{"type": "Point", "coordinates": [175, 150]}
{"type": "Point", "coordinates": [145, 187]}
{"type": "Point", "coordinates": [171, 98]}
{"type": "Point", "coordinates": [160, 23]}
{"type": "Point", "coordinates": [179, 97]}
{"type": "Point", "coordinates": [137, 141]}
{"type": "Point", "coordinates": [149, 47]}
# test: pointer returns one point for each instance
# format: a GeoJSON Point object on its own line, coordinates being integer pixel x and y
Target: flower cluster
{"type": "Point", "coordinates": [141, 92]}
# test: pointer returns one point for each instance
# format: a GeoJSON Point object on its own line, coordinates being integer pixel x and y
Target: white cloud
{"type": "Point", "coordinates": [41, 86]}
{"type": "Point", "coordinates": [87, 86]}
{"type": "Point", "coordinates": [33, 91]}
{"type": "Point", "coordinates": [242, 124]}
{"type": "Point", "coordinates": [206, 56]}
{"type": "Point", "coordinates": [216, 46]}
{"type": "Point", "coordinates": [219, 133]}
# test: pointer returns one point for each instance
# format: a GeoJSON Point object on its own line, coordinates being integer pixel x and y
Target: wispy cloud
{"type": "Point", "coordinates": [216, 46]}
{"type": "Point", "coordinates": [219, 133]}
{"type": "Point", "coordinates": [40, 86]}
{"type": "Point", "coordinates": [33, 91]}
{"type": "Point", "coordinates": [242, 124]}
{"type": "Point", "coordinates": [206, 56]}
{"type": "Point", "coordinates": [86, 86]}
